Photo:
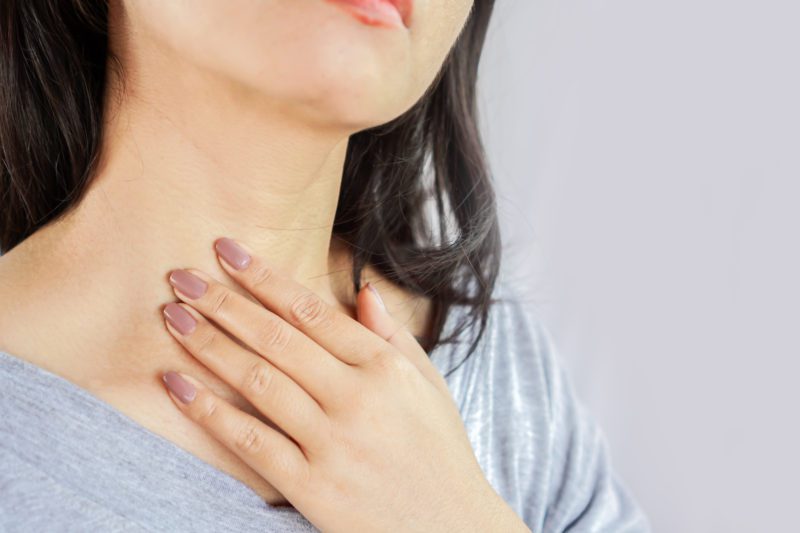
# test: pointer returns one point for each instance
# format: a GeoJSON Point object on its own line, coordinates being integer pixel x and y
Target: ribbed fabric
{"type": "Point", "coordinates": [72, 462]}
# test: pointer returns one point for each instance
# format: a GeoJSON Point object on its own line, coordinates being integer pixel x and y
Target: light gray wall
{"type": "Point", "coordinates": [648, 156]}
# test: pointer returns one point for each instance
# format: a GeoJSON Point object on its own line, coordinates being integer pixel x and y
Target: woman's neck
{"type": "Point", "coordinates": [195, 158]}
{"type": "Point", "coordinates": [185, 160]}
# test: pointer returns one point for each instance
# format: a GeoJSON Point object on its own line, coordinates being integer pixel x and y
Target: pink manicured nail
{"type": "Point", "coordinates": [180, 318]}
{"type": "Point", "coordinates": [188, 283]}
{"type": "Point", "coordinates": [232, 253]}
{"type": "Point", "coordinates": [377, 295]}
{"type": "Point", "coordinates": [178, 386]}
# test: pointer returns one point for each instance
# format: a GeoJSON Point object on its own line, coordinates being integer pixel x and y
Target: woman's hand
{"type": "Point", "coordinates": [366, 435]}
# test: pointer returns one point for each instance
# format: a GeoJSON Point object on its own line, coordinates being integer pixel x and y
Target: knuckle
{"type": "Point", "coordinates": [272, 336]}
{"type": "Point", "coordinates": [250, 439]}
{"type": "Point", "coordinates": [220, 301]}
{"type": "Point", "coordinates": [261, 276]}
{"type": "Point", "coordinates": [206, 411]}
{"type": "Point", "coordinates": [258, 379]}
{"type": "Point", "coordinates": [205, 341]}
{"type": "Point", "coordinates": [309, 309]}
{"type": "Point", "coordinates": [391, 363]}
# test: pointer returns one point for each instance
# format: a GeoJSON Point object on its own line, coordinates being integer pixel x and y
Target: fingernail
{"type": "Point", "coordinates": [377, 295]}
{"type": "Point", "coordinates": [188, 283]}
{"type": "Point", "coordinates": [178, 386]}
{"type": "Point", "coordinates": [232, 253]}
{"type": "Point", "coordinates": [180, 318]}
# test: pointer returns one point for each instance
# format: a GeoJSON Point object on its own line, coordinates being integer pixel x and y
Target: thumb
{"type": "Point", "coordinates": [372, 313]}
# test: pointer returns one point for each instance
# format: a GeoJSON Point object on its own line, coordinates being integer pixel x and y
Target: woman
{"type": "Point", "coordinates": [334, 351]}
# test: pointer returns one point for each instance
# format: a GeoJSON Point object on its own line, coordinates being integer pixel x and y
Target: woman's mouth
{"type": "Point", "coordinates": [385, 13]}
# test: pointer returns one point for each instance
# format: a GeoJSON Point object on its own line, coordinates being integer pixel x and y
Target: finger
{"type": "Point", "coordinates": [265, 386]}
{"type": "Point", "coordinates": [373, 314]}
{"type": "Point", "coordinates": [266, 450]}
{"type": "Point", "coordinates": [304, 361]}
{"type": "Point", "coordinates": [336, 332]}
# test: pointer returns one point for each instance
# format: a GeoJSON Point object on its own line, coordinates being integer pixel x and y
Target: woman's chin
{"type": "Point", "coordinates": [351, 100]}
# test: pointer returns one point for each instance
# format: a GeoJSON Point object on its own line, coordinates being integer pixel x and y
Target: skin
{"type": "Point", "coordinates": [230, 118]}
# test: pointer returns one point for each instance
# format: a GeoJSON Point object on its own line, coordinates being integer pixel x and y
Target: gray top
{"type": "Point", "coordinates": [70, 461]}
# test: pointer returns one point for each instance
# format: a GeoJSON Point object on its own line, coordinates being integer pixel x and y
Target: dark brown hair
{"type": "Point", "coordinates": [53, 60]}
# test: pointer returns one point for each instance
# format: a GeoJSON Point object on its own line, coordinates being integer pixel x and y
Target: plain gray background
{"type": "Point", "coordinates": [647, 158]}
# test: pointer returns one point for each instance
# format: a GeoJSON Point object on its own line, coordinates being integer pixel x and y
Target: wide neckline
{"type": "Point", "coordinates": [108, 420]}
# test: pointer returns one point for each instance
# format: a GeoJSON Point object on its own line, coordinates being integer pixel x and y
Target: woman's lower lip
{"type": "Point", "coordinates": [373, 12]}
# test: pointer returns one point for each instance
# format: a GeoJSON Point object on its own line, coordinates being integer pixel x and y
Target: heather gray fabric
{"type": "Point", "coordinates": [72, 462]}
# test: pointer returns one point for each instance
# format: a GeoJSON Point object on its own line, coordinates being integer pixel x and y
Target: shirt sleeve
{"type": "Point", "coordinates": [583, 492]}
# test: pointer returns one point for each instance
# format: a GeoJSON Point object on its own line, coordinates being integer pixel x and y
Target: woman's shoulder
{"type": "Point", "coordinates": [540, 448]}
{"type": "Point", "coordinates": [515, 340]}
{"type": "Point", "coordinates": [512, 368]}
